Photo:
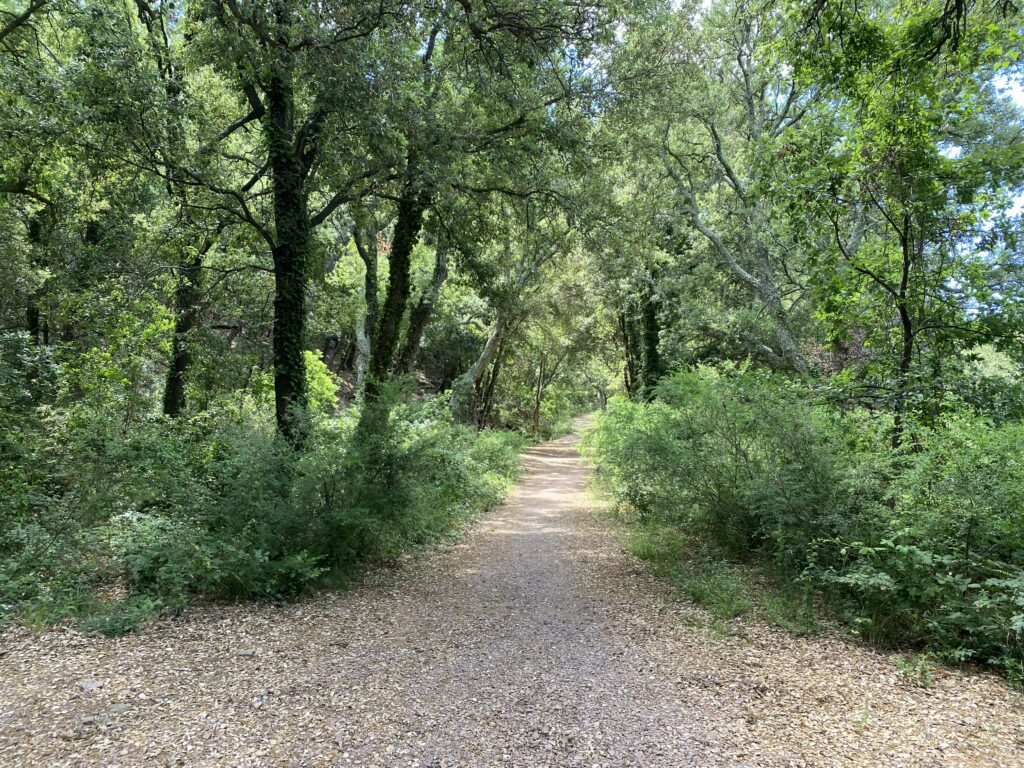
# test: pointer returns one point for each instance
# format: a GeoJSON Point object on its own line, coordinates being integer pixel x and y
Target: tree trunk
{"type": "Point", "coordinates": [463, 390]}
{"type": "Point", "coordinates": [488, 399]}
{"type": "Point", "coordinates": [291, 254]}
{"type": "Point", "coordinates": [385, 336]}
{"type": "Point", "coordinates": [364, 348]}
{"type": "Point", "coordinates": [420, 316]}
{"type": "Point", "coordinates": [761, 284]}
{"type": "Point", "coordinates": [37, 232]}
{"type": "Point", "coordinates": [906, 337]}
{"type": "Point", "coordinates": [537, 398]}
{"type": "Point", "coordinates": [652, 368]}
{"type": "Point", "coordinates": [186, 315]}
{"type": "Point", "coordinates": [630, 374]}
{"type": "Point", "coordinates": [769, 295]}
{"type": "Point", "coordinates": [186, 319]}
{"type": "Point", "coordinates": [903, 378]}
{"type": "Point", "coordinates": [32, 318]}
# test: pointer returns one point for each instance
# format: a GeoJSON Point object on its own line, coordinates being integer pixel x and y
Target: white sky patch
{"type": "Point", "coordinates": [1013, 87]}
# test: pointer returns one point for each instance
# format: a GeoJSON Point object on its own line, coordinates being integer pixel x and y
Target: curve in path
{"type": "Point", "coordinates": [534, 642]}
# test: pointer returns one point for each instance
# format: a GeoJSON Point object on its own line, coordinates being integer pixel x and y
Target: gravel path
{"type": "Point", "coordinates": [534, 642]}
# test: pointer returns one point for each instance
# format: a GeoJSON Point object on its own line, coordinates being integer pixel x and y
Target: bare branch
{"type": "Point", "coordinates": [19, 20]}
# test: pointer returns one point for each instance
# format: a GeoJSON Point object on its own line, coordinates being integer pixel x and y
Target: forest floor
{"type": "Point", "coordinates": [535, 641]}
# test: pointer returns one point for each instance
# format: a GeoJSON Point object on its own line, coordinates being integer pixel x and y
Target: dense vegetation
{"type": "Point", "coordinates": [273, 272]}
{"type": "Point", "coordinates": [921, 548]}
{"type": "Point", "coordinates": [287, 286]}
{"type": "Point", "coordinates": [824, 340]}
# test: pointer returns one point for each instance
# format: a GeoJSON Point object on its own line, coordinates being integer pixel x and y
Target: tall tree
{"type": "Point", "coordinates": [912, 179]}
{"type": "Point", "coordinates": [299, 72]}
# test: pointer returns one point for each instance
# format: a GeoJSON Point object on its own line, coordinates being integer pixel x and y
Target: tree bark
{"type": "Point", "coordinates": [652, 368]}
{"type": "Point", "coordinates": [464, 388]}
{"type": "Point", "coordinates": [629, 372]}
{"type": "Point", "coordinates": [186, 320]}
{"type": "Point", "coordinates": [291, 255]}
{"type": "Point", "coordinates": [364, 329]}
{"type": "Point", "coordinates": [762, 285]}
{"type": "Point", "coordinates": [38, 228]}
{"type": "Point", "coordinates": [35, 326]}
{"type": "Point", "coordinates": [419, 318]}
{"type": "Point", "coordinates": [16, 20]}
{"type": "Point", "coordinates": [385, 336]}
{"type": "Point", "coordinates": [488, 397]}
{"type": "Point", "coordinates": [186, 312]}
{"type": "Point", "coordinates": [906, 337]}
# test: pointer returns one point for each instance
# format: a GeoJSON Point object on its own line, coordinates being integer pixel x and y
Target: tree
{"type": "Point", "coordinates": [516, 88]}
{"type": "Point", "coordinates": [912, 180]}
{"type": "Point", "coordinates": [520, 261]}
{"type": "Point", "coordinates": [741, 103]}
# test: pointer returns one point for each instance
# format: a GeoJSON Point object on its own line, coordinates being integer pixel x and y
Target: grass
{"type": "Point", "coordinates": [726, 590]}
{"type": "Point", "coordinates": [791, 611]}
{"type": "Point", "coordinates": [729, 591]}
{"type": "Point", "coordinates": [864, 720]}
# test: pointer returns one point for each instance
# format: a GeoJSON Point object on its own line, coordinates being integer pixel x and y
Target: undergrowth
{"type": "Point", "coordinates": [726, 590]}
{"type": "Point", "coordinates": [920, 549]}
{"type": "Point", "coordinates": [105, 525]}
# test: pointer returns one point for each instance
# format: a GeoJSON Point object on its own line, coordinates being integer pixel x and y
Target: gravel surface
{"type": "Point", "coordinates": [534, 642]}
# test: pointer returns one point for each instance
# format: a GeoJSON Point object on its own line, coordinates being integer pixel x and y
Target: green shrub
{"type": "Point", "coordinates": [704, 580]}
{"type": "Point", "coordinates": [120, 617]}
{"type": "Point", "coordinates": [920, 547]}
{"type": "Point", "coordinates": [218, 506]}
{"type": "Point", "coordinates": [918, 672]}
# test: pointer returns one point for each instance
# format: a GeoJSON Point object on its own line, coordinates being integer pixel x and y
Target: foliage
{"type": "Point", "coordinates": [213, 214]}
{"type": "Point", "coordinates": [709, 582]}
{"type": "Point", "coordinates": [727, 590]}
{"type": "Point", "coordinates": [218, 506]}
{"type": "Point", "coordinates": [918, 547]}
{"type": "Point", "coordinates": [918, 672]}
{"type": "Point", "coordinates": [271, 273]}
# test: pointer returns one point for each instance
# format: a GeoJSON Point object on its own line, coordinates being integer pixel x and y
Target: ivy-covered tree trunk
{"type": "Point", "coordinates": [291, 256]}
{"type": "Point", "coordinates": [186, 319]}
{"type": "Point", "coordinates": [37, 229]}
{"type": "Point", "coordinates": [186, 315]}
{"type": "Point", "coordinates": [641, 336]}
{"type": "Point", "coordinates": [630, 373]}
{"type": "Point", "coordinates": [419, 318]}
{"type": "Point", "coordinates": [366, 244]}
{"type": "Point", "coordinates": [376, 412]}
{"type": "Point", "coordinates": [386, 335]}
{"type": "Point", "coordinates": [32, 319]}
{"type": "Point", "coordinates": [906, 336]}
{"type": "Point", "coordinates": [652, 368]}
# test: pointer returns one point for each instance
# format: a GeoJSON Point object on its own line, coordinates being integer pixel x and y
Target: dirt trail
{"type": "Point", "coordinates": [534, 642]}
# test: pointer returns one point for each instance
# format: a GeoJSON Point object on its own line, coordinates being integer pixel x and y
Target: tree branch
{"type": "Point", "coordinates": [22, 18]}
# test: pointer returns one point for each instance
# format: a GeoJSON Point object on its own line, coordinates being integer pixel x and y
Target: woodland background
{"type": "Point", "coordinates": [286, 287]}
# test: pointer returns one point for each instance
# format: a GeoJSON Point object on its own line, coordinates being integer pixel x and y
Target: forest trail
{"type": "Point", "coordinates": [533, 642]}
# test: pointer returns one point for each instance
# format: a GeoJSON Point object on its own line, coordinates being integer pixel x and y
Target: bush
{"type": "Point", "coordinates": [217, 506]}
{"type": "Point", "coordinates": [922, 548]}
